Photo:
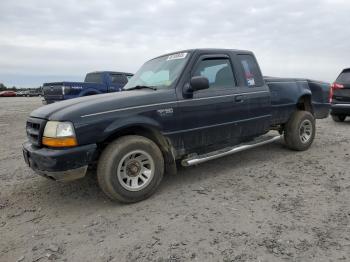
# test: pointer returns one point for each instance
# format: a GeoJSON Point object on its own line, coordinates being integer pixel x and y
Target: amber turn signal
{"type": "Point", "coordinates": [59, 141]}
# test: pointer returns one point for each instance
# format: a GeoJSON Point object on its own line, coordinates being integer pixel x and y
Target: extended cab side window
{"type": "Point", "coordinates": [252, 75]}
{"type": "Point", "coordinates": [218, 71]}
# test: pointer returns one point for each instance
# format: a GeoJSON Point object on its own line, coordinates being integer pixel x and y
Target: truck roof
{"type": "Point", "coordinates": [110, 72]}
{"type": "Point", "coordinates": [208, 50]}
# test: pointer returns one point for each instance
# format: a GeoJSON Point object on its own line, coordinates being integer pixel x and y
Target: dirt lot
{"type": "Point", "coordinates": [266, 204]}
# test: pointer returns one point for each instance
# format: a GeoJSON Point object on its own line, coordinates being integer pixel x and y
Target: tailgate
{"type": "Point", "coordinates": [343, 94]}
{"type": "Point", "coordinates": [53, 91]}
{"type": "Point", "coordinates": [320, 91]}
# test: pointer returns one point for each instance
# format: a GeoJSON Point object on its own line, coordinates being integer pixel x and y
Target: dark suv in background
{"type": "Point", "coordinates": [340, 96]}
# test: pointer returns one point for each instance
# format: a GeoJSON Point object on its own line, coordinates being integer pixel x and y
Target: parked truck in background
{"type": "Point", "coordinates": [30, 92]}
{"type": "Point", "coordinates": [94, 83]}
{"type": "Point", "coordinates": [34, 92]}
{"type": "Point", "coordinates": [186, 107]}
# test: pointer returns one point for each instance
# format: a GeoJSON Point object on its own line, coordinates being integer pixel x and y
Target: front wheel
{"type": "Point", "coordinates": [338, 118]}
{"type": "Point", "coordinates": [130, 169]}
{"type": "Point", "coordinates": [300, 130]}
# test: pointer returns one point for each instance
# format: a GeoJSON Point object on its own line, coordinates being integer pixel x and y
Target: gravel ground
{"type": "Point", "coordinates": [265, 204]}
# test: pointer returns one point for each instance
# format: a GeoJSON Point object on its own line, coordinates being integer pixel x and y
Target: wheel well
{"type": "Point", "coordinates": [305, 104]}
{"type": "Point", "coordinates": [90, 94]}
{"type": "Point", "coordinates": [150, 133]}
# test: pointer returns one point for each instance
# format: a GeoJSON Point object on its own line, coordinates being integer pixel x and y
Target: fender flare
{"type": "Point", "coordinates": [90, 91]}
{"type": "Point", "coordinates": [147, 127]}
{"type": "Point", "coordinates": [304, 102]}
{"type": "Point", "coordinates": [136, 121]}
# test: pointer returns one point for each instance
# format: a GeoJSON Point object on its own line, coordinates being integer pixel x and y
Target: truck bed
{"type": "Point", "coordinates": [54, 91]}
{"type": "Point", "coordinates": [283, 97]}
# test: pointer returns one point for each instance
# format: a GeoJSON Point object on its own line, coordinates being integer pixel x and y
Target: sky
{"type": "Point", "coordinates": [43, 41]}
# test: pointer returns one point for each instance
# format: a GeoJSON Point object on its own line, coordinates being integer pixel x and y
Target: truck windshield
{"type": "Point", "coordinates": [160, 72]}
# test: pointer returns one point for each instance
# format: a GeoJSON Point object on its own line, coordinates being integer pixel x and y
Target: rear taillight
{"type": "Point", "coordinates": [337, 86]}
{"type": "Point", "coordinates": [334, 86]}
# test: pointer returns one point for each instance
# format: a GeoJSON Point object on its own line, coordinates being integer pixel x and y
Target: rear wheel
{"type": "Point", "coordinates": [339, 118]}
{"type": "Point", "coordinates": [130, 169]}
{"type": "Point", "coordinates": [300, 130]}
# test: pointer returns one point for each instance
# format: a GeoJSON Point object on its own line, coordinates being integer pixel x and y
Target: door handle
{"type": "Point", "coordinates": [239, 98]}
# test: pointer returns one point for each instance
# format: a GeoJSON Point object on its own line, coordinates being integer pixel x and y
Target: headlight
{"type": "Point", "coordinates": [59, 134]}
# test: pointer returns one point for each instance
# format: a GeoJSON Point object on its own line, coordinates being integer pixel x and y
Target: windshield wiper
{"type": "Point", "coordinates": [141, 87]}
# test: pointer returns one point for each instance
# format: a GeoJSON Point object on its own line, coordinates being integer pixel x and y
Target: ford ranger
{"type": "Point", "coordinates": [94, 83]}
{"type": "Point", "coordinates": [182, 108]}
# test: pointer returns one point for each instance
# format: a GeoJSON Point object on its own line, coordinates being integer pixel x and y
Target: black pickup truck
{"type": "Point", "coordinates": [180, 108]}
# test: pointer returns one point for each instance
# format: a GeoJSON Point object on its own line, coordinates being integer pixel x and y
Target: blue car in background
{"type": "Point", "coordinates": [98, 82]}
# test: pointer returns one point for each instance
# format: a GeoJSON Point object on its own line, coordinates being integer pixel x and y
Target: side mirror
{"type": "Point", "coordinates": [199, 83]}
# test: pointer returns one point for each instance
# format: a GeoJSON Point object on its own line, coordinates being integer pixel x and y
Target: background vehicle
{"type": "Point", "coordinates": [340, 96]}
{"type": "Point", "coordinates": [94, 83]}
{"type": "Point", "coordinates": [35, 92]}
{"type": "Point", "coordinates": [30, 93]}
{"type": "Point", "coordinates": [188, 107]}
{"type": "Point", "coordinates": [7, 93]}
{"type": "Point", "coordinates": [25, 93]}
{"type": "Point", "coordinates": [20, 93]}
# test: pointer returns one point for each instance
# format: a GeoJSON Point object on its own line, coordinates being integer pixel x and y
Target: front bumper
{"type": "Point", "coordinates": [340, 109]}
{"type": "Point", "coordinates": [59, 164]}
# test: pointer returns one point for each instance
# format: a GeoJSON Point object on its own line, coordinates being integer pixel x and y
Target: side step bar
{"type": "Point", "coordinates": [228, 151]}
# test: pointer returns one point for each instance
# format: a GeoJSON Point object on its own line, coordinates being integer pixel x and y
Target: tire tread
{"type": "Point", "coordinates": [106, 160]}
{"type": "Point", "coordinates": [291, 132]}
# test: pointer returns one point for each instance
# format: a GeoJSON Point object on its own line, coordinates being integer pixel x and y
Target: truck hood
{"type": "Point", "coordinates": [74, 109]}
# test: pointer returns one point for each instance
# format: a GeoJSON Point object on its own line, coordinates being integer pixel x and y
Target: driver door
{"type": "Point", "coordinates": [212, 117]}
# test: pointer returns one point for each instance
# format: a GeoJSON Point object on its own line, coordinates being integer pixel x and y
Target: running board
{"type": "Point", "coordinates": [194, 160]}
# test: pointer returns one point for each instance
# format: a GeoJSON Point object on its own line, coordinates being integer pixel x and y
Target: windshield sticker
{"type": "Point", "coordinates": [251, 81]}
{"type": "Point", "coordinates": [176, 56]}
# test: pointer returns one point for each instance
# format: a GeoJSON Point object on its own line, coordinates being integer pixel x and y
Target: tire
{"type": "Point", "coordinates": [300, 131]}
{"type": "Point", "coordinates": [90, 94]}
{"type": "Point", "coordinates": [339, 118]}
{"type": "Point", "coordinates": [122, 161]}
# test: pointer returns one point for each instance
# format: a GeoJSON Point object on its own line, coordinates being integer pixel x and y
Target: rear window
{"type": "Point", "coordinates": [93, 78]}
{"type": "Point", "coordinates": [251, 71]}
{"type": "Point", "coordinates": [344, 77]}
{"type": "Point", "coordinates": [119, 79]}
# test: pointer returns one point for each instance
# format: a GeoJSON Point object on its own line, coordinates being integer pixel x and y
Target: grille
{"type": "Point", "coordinates": [34, 129]}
